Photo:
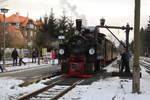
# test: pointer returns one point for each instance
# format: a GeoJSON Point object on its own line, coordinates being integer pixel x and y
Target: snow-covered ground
{"type": "Point", "coordinates": [112, 88]}
{"type": "Point", "coordinates": [28, 65]}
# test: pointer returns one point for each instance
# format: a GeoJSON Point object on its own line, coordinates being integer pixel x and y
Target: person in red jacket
{"type": "Point", "coordinates": [53, 55]}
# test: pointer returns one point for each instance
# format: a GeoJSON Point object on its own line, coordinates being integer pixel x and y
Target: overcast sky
{"type": "Point", "coordinates": [116, 12]}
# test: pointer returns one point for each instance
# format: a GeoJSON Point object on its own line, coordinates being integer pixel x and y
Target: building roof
{"type": "Point", "coordinates": [23, 21]}
{"type": "Point", "coordinates": [13, 19]}
{"type": "Point", "coordinates": [16, 18]}
{"type": "Point", "coordinates": [39, 23]}
{"type": "Point", "coordinates": [1, 17]}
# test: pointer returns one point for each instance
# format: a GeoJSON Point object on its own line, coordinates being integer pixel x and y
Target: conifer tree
{"type": "Point", "coordinates": [66, 26]}
{"type": "Point", "coordinates": [52, 26]}
{"type": "Point", "coordinates": [145, 38]}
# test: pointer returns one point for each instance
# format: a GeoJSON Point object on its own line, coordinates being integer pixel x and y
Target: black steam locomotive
{"type": "Point", "coordinates": [85, 52]}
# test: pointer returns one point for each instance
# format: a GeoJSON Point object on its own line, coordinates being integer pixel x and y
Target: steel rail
{"type": "Point", "coordinates": [26, 97]}
{"type": "Point", "coordinates": [66, 90]}
{"type": "Point", "coordinates": [37, 79]}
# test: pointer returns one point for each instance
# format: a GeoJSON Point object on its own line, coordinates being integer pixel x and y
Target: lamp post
{"type": "Point", "coordinates": [61, 37]}
{"type": "Point", "coordinates": [4, 10]}
{"type": "Point", "coordinates": [29, 28]}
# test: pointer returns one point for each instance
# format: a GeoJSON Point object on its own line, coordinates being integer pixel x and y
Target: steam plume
{"type": "Point", "coordinates": [66, 5]}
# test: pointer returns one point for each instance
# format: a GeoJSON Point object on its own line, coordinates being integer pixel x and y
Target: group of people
{"type": "Point", "coordinates": [15, 56]}
{"type": "Point", "coordinates": [50, 57]}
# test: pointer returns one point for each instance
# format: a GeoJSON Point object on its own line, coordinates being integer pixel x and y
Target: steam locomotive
{"type": "Point", "coordinates": [86, 52]}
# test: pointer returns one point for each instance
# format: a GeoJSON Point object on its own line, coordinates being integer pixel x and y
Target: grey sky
{"type": "Point", "coordinates": [92, 9]}
{"type": "Point", "coordinates": [116, 12]}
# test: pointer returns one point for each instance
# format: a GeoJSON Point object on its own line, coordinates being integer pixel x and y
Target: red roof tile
{"type": "Point", "coordinates": [38, 23]}
{"type": "Point", "coordinates": [26, 22]}
{"type": "Point", "coordinates": [1, 17]}
{"type": "Point", "coordinates": [15, 18]}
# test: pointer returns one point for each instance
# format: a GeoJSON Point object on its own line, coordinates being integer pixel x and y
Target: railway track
{"type": "Point", "coordinates": [35, 80]}
{"type": "Point", "coordinates": [51, 91]}
{"type": "Point", "coordinates": [145, 63]}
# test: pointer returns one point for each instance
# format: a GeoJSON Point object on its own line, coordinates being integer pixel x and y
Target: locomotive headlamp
{"type": "Point", "coordinates": [61, 51]}
{"type": "Point", "coordinates": [91, 51]}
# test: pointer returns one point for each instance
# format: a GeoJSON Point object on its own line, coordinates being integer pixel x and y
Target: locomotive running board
{"type": "Point", "coordinates": [84, 75]}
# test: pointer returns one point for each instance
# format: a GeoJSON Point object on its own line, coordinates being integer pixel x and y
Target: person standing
{"type": "Point", "coordinates": [21, 58]}
{"type": "Point", "coordinates": [1, 62]}
{"type": "Point", "coordinates": [14, 55]}
{"type": "Point", "coordinates": [34, 55]}
{"type": "Point", "coordinates": [53, 55]}
{"type": "Point", "coordinates": [21, 61]}
{"type": "Point", "coordinates": [37, 53]}
{"type": "Point", "coordinates": [122, 62]}
{"type": "Point", "coordinates": [125, 62]}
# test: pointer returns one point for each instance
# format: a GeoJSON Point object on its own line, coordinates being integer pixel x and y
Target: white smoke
{"type": "Point", "coordinates": [3, 3]}
{"type": "Point", "coordinates": [73, 9]}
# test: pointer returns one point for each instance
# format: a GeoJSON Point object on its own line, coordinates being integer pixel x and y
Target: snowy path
{"type": "Point", "coordinates": [112, 88]}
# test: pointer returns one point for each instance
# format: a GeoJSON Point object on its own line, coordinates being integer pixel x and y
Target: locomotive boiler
{"type": "Point", "coordinates": [86, 52]}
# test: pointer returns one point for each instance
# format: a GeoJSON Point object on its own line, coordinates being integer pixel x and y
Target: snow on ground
{"type": "Point", "coordinates": [112, 88]}
{"type": "Point", "coordinates": [9, 93]}
{"type": "Point", "coordinates": [9, 85]}
{"type": "Point", "coordinates": [145, 58]}
{"type": "Point", "coordinates": [28, 65]}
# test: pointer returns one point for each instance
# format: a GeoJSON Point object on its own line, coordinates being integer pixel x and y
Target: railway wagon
{"type": "Point", "coordinates": [110, 51]}
{"type": "Point", "coordinates": [85, 52]}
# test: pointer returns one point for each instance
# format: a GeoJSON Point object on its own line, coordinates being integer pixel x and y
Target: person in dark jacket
{"type": "Point", "coordinates": [15, 55]}
{"type": "Point", "coordinates": [34, 55]}
{"type": "Point", "coordinates": [21, 61]}
{"type": "Point", "coordinates": [1, 62]}
{"type": "Point", "coordinates": [125, 62]}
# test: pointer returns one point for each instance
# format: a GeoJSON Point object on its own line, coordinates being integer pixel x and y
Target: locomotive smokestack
{"type": "Point", "coordinates": [78, 24]}
{"type": "Point", "coordinates": [102, 22]}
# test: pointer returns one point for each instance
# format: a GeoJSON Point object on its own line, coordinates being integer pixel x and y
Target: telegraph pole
{"type": "Point", "coordinates": [136, 67]}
